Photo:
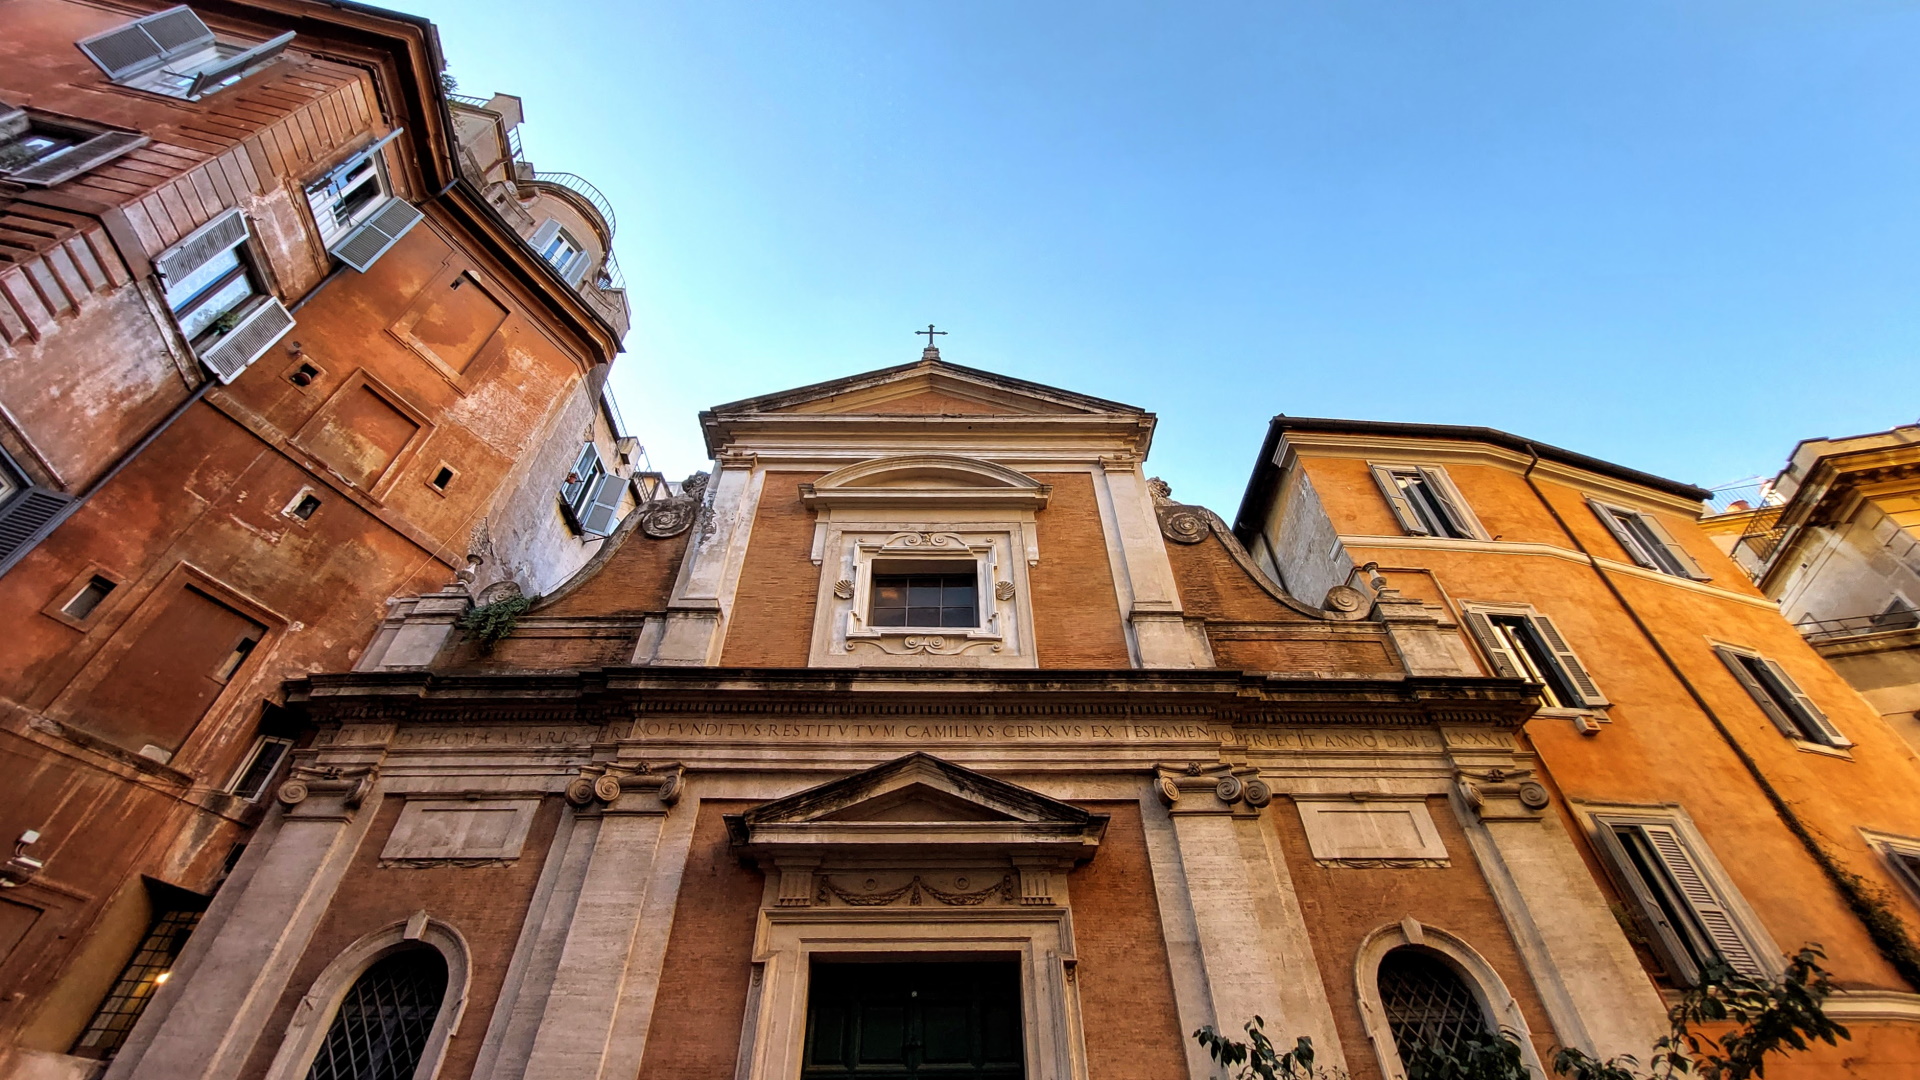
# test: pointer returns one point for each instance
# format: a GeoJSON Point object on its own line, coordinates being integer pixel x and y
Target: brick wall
{"type": "Point", "coordinates": [772, 620]}
{"type": "Point", "coordinates": [702, 998]}
{"type": "Point", "coordinates": [1076, 616]}
{"type": "Point", "coordinates": [1126, 986]}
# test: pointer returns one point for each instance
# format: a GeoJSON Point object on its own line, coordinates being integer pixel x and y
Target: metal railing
{"type": "Point", "coordinates": [1855, 625]}
{"type": "Point", "coordinates": [580, 186]}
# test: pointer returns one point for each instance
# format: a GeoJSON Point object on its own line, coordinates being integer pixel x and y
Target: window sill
{"type": "Point", "coordinates": [926, 640]}
{"type": "Point", "coordinates": [1822, 749]}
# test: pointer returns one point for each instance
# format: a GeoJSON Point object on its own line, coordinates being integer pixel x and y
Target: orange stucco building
{"type": "Point", "coordinates": [931, 736]}
{"type": "Point", "coordinates": [286, 330]}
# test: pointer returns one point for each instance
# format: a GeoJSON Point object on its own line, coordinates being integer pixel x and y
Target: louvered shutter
{"type": "Point", "coordinates": [1505, 664]}
{"type": "Point", "coordinates": [1451, 501]}
{"type": "Point", "coordinates": [543, 236]}
{"type": "Point", "coordinates": [1402, 509]}
{"type": "Point", "coordinates": [581, 260]}
{"type": "Point", "coordinates": [267, 323]}
{"type": "Point", "coordinates": [13, 122]}
{"type": "Point", "coordinates": [87, 156]}
{"type": "Point", "coordinates": [201, 245]}
{"type": "Point", "coordinates": [362, 247]}
{"type": "Point", "coordinates": [214, 74]}
{"type": "Point", "coordinates": [602, 511]}
{"type": "Point", "coordinates": [1627, 541]}
{"type": "Point", "coordinates": [27, 517]}
{"type": "Point", "coordinates": [1807, 709]}
{"type": "Point", "coordinates": [1570, 664]}
{"type": "Point", "coordinates": [1715, 918]}
{"type": "Point", "coordinates": [143, 44]}
{"type": "Point", "coordinates": [1745, 677]}
{"type": "Point", "coordinates": [1688, 566]}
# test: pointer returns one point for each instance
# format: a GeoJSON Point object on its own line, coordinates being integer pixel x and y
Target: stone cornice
{"type": "Point", "coordinates": [611, 695]}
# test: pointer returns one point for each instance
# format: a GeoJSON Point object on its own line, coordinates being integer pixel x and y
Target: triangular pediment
{"type": "Point", "coordinates": [919, 788]}
{"type": "Point", "coordinates": [929, 388]}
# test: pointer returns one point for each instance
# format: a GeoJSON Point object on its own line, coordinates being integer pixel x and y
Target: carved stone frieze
{"type": "Point", "coordinates": [869, 893]}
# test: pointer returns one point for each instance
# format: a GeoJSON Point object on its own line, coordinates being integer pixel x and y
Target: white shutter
{"type": "Point", "coordinates": [1570, 664]}
{"type": "Point", "coordinates": [1402, 509]}
{"type": "Point", "coordinates": [581, 260]}
{"type": "Point", "coordinates": [13, 122]}
{"type": "Point", "coordinates": [1746, 679]}
{"type": "Point", "coordinates": [1807, 709]}
{"type": "Point", "coordinates": [267, 323]}
{"type": "Point", "coordinates": [213, 74]}
{"type": "Point", "coordinates": [201, 246]}
{"type": "Point", "coordinates": [1451, 501]}
{"type": "Point", "coordinates": [75, 160]}
{"type": "Point", "coordinates": [1505, 664]}
{"type": "Point", "coordinates": [602, 510]}
{"type": "Point", "coordinates": [543, 236]}
{"type": "Point", "coordinates": [143, 44]}
{"type": "Point", "coordinates": [1715, 917]}
{"type": "Point", "coordinates": [26, 517]}
{"type": "Point", "coordinates": [1688, 566]}
{"type": "Point", "coordinates": [362, 247]}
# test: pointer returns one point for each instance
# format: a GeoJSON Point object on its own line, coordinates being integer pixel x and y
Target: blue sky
{"type": "Point", "coordinates": [1680, 234]}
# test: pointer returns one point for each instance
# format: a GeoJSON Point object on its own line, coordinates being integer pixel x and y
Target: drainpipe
{"type": "Point", "coordinates": [1887, 932]}
{"type": "Point", "coordinates": [140, 447]}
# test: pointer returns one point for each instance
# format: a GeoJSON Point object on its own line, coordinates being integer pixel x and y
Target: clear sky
{"type": "Point", "coordinates": [1677, 234]}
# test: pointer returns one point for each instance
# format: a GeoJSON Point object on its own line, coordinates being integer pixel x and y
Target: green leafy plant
{"type": "Point", "coordinates": [488, 623]}
{"type": "Point", "coordinates": [1770, 1016]}
{"type": "Point", "coordinates": [1256, 1059]}
{"type": "Point", "coordinates": [1482, 1055]}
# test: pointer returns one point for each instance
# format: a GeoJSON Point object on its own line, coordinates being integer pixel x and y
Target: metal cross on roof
{"type": "Point", "coordinates": [930, 332]}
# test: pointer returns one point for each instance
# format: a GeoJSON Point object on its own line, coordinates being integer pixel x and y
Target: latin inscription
{"type": "Point", "coordinates": [925, 731]}
{"type": "Point", "coordinates": [571, 735]}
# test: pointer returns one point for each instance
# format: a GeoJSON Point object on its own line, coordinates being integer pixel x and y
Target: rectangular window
{"type": "Point", "coordinates": [1780, 698]}
{"type": "Point", "coordinates": [925, 600]}
{"type": "Point", "coordinates": [1684, 901]}
{"type": "Point", "coordinates": [1426, 503]}
{"type": "Point", "coordinates": [1521, 643]}
{"type": "Point", "coordinates": [175, 913]}
{"type": "Point", "coordinates": [1646, 541]}
{"type": "Point", "coordinates": [355, 209]}
{"type": "Point", "coordinates": [27, 512]}
{"type": "Point", "coordinates": [88, 598]}
{"type": "Point", "coordinates": [563, 251]}
{"type": "Point", "coordinates": [39, 151]}
{"type": "Point", "coordinates": [586, 487]}
{"type": "Point", "coordinates": [172, 52]}
{"type": "Point", "coordinates": [257, 771]}
{"type": "Point", "coordinates": [218, 299]}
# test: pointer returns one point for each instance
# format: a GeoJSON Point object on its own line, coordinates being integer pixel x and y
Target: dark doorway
{"type": "Point", "coordinates": [926, 1020]}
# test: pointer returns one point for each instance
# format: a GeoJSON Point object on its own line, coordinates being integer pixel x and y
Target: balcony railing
{"type": "Point", "coordinates": [1856, 625]}
{"type": "Point", "coordinates": [579, 186]}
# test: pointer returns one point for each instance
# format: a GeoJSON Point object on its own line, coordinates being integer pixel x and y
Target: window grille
{"type": "Point", "coordinates": [929, 600]}
{"type": "Point", "coordinates": [144, 974]}
{"type": "Point", "coordinates": [1427, 1003]}
{"type": "Point", "coordinates": [382, 1026]}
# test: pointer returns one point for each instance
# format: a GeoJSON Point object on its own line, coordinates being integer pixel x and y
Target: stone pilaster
{"type": "Point", "coordinates": [696, 613]}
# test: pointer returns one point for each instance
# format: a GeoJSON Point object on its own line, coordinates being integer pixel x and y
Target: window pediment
{"type": "Point", "coordinates": [926, 480]}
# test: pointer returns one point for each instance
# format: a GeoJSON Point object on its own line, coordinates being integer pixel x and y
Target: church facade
{"type": "Point", "coordinates": [930, 736]}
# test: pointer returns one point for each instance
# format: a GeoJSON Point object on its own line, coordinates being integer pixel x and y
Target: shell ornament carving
{"type": "Point", "coordinates": [843, 589]}
{"type": "Point", "coordinates": [1003, 590]}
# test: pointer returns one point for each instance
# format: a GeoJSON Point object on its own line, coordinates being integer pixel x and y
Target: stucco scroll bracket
{"type": "Point", "coordinates": [605, 783]}
{"type": "Point", "coordinates": [1216, 788]}
{"type": "Point", "coordinates": [351, 783]}
{"type": "Point", "coordinates": [1500, 794]}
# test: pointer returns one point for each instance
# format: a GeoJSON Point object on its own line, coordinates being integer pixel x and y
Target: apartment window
{"type": "Point", "coordinates": [591, 494]}
{"type": "Point", "coordinates": [1521, 643]}
{"type": "Point", "coordinates": [925, 600]}
{"type": "Point", "coordinates": [1687, 902]}
{"type": "Point", "coordinates": [88, 598]}
{"type": "Point", "coordinates": [175, 913]}
{"type": "Point", "coordinates": [173, 53]}
{"type": "Point", "coordinates": [1903, 857]}
{"type": "Point", "coordinates": [218, 298]}
{"type": "Point", "coordinates": [355, 209]}
{"type": "Point", "coordinates": [1780, 698]}
{"type": "Point", "coordinates": [256, 772]}
{"type": "Point", "coordinates": [1426, 503]}
{"type": "Point", "coordinates": [39, 151]}
{"type": "Point", "coordinates": [1646, 541]}
{"type": "Point", "coordinates": [561, 249]}
{"type": "Point", "coordinates": [27, 511]}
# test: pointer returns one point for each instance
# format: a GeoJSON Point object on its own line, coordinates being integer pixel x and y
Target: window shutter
{"type": "Point", "coordinates": [267, 323]}
{"type": "Point", "coordinates": [1441, 484]}
{"type": "Point", "coordinates": [1627, 541]}
{"type": "Point", "coordinates": [85, 157]}
{"type": "Point", "coordinates": [543, 236]}
{"type": "Point", "coordinates": [1817, 719]}
{"type": "Point", "coordinates": [13, 122]}
{"type": "Point", "coordinates": [201, 245]}
{"type": "Point", "coordinates": [602, 510]}
{"type": "Point", "coordinates": [362, 247]}
{"type": "Point", "coordinates": [208, 77]}
{"type": "Point", "coordinates": [1759, 693]}
{"type": "Point", "coordinates": [581, 260]}
{"type": "Point", "coordinates": [1718, 922]}
{"type": "Point", "coordinates": [27, 517]}
{"type": "Point", "coordinates": [1403, 510]}
{"type": "Point", "coordinates": [142, 44]}
{"type": "Point", "coordinates": [1569, 663]}
{"type": "Point", "coordinates": [1687, 564]}
{"type": "Point", "coordinates": [1505, 666]}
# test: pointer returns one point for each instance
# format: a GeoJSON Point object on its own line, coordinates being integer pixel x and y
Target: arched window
{"type": "Point", "coordinates": [1427, 1003]}
{"type": "Point", "coordinates": [381, 1027]}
